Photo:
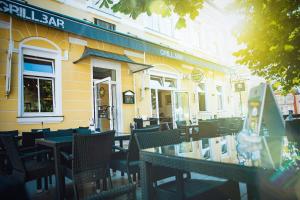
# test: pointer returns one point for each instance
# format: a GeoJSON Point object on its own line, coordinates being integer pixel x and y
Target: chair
{"type": "Point", "coordinates": [193, 188]}
{"type": "Point", "coordinates": [4, 165]}
{"type": "Point", "coordinates": [26, 166]}
{"type": "Point", "coordinates": [67, 131]}
{"type": "Point", "coordinates": [90, 163]}
{"type": "Point", "coordinates": [293, 130]}
{"type": "Point", "coordinates": [138, 123]}
{"type": "Point", "coordinates": [83, 130]}
{"type": "Point", "coordinates": [127, 160]}
{"type": "Point", "coordinates": [40, 130]}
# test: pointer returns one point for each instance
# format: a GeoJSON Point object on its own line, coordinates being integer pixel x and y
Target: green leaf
{"type": "Point", "coordinates": [180, 23]}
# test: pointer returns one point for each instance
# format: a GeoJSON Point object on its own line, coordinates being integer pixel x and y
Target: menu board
{"type": "Point", "coordinates": [265, 119]}
{"type": "Point", "coordinates": [264, 116]}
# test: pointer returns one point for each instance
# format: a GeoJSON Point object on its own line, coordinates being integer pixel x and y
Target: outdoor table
{"type": "Point", "coordinates": [259, 167]}
{"type": "Point", "coordinates": [56, 143]}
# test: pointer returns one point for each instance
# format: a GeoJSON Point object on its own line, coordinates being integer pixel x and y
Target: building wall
{"type": "Point", "coordinates": [76, 87]}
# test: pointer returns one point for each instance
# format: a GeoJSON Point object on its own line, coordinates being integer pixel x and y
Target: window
{"type": "Point", "coordinates": [164, 25]}
{"type": "Point", "coordinates": [220, 97]}
{"type": "Point", "coordinates": [38, 85]}
{"type": "Point", "coordinates": [162, 82]}
{"type": "Point", "coordinates": [156, 81]}
{"type": "Point", "coordinates": [201, 97]}
{"type": "Point", "coordinates": [105, 24]}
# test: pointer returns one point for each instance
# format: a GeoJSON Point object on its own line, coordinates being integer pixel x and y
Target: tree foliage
{"type": "Point", "coordinates": [183, 8]}
{"type": "Point", "coordinates": [271, 38]}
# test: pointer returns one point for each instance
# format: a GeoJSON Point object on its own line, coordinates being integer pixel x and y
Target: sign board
{"type": "Point", "coordinates": [239, 87]}
{"type": "Point", "coordinates": [128, 97]}
{"type": "Point", "coordinates": [263, 110]}
{"type": "Point", "coordinates": [265, 119]}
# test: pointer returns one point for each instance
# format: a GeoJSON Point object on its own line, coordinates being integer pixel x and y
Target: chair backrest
{"type": "Point", "coordinates": [40, 130]}
{"type": "Point", "coordinates": [293, 130]}
{"type": "Point", "coordinates": [164, 126]}
{"type": "Point", "coordinates": [14, 133]}
{"type": "Point", "coordinates": [156, 139]}
{"type": "Point", "coordinates": [91, 156]}
{"type": "Point", "coordinates": [153, 121]}
{"type": "Point", "coordinates": [58, 133]}
{"type": "Point", "coordinates": [67, 131]}
{"type": "Point", "coordinates": [133, 151]}
{"type": "Point", "coordinates": [138, 122]}
{"type": "Point", "coordinates": [13, 154]}
{"type": "Point", "coordinates": [83, 130]}
{"type": "Point", "coordinates": [28, 139]}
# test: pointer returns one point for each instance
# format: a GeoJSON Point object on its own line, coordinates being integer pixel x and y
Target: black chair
{"type": "Point", "coordinates": [40, 130]}
{"type": "Point", "coordinates": [193, 188]}
{"type": "Point", "coordinates": [90, 163]}
{"type": "Point", "coordinates": [138, 123]}
{"type": "Point", "coordinates": [69, 130]}
{"type": "Point", "coordinates": [127, 160]}
{"type": "Point", "coordinates": [293, 130]}
{"type": "Point", "coordinates": [26, 166]}
{"type": "Point", "coordinates": [4, 164]}
{"type": "Point", "coordinates": [83, 130]}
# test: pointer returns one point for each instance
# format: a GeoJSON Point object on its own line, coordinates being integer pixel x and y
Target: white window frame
{"type": "Point", "coordinates": [40, 117]}
{"type": "Point", "coordinates": [222, 97]}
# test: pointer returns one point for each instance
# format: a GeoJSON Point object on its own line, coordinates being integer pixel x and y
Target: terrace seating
{"type": "Point", "coordinates": [193, 188]}
{"type": "Point", "coordinates": [26, 166]}
{"type": "Point", "coordinates": [94, 167]}
{"type": "Point", "coordinates": [127, 160]}
{"type": "Point", "coordinates": [4, 168]}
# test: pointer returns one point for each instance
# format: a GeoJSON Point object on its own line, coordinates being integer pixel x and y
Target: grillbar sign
{"type": "Point", "coordinates": [31, 14]}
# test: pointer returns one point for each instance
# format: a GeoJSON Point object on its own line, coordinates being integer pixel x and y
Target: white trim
{"type": "Point", "coordinates": [38, 120]}
{"type": "Point", "coordinates": [116, 66]}
{"type": "Point", "coordinates": [45, 53]}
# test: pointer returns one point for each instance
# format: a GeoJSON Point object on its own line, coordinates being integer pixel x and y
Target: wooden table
{"type": "Point", "coordinates": [56, 143]}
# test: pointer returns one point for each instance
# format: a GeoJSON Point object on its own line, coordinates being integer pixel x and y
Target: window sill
{"type": "Point", "coordinates": [39, 119]}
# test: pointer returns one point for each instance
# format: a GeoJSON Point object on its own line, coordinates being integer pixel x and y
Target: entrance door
{"type": "Point", "coordinates": [103, 104]}
{"type": "Point", "coordinates": [181, 106]}
{"type": "Point", "coordinates": [161, 105]}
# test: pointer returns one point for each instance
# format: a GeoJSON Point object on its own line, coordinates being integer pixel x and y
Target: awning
{"type": "Point", "coordinates": [134, 66]}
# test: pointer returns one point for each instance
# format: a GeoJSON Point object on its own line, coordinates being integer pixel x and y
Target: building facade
{"type": "Point", "coordinates": [68, 63]}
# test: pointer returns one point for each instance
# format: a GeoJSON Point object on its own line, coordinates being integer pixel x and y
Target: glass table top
{"type": "Point", "coordinates": [265, 152]}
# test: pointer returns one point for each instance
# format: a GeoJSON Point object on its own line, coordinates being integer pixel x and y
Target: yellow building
{"type": "Point", "coordinates": [60, 71]}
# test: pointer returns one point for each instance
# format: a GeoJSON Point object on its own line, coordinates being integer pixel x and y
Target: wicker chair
{"type": "Point", "coordinates": [127, 160]}
{"type": "Point", "coordinates": [43, 130]}
{"type": "Point", "coordinates": [26, 166]}
{"type": "Point", "coordinates": [90, 163]}
{"type": "Point", "coordinates": [83, 130]}
{"type": "Point", "coordinates": [5, 166]}
{"type": "Point", "coordinates": [193, 188]}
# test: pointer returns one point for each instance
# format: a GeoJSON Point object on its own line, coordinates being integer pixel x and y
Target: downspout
{"type": "Point", "coordinates": [8, 61]}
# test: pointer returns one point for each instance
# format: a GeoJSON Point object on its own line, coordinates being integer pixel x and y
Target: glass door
{"type": "Point", "coordinates": [181, 107]}
{"type": "Point", "coordinates": [103, 104]}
